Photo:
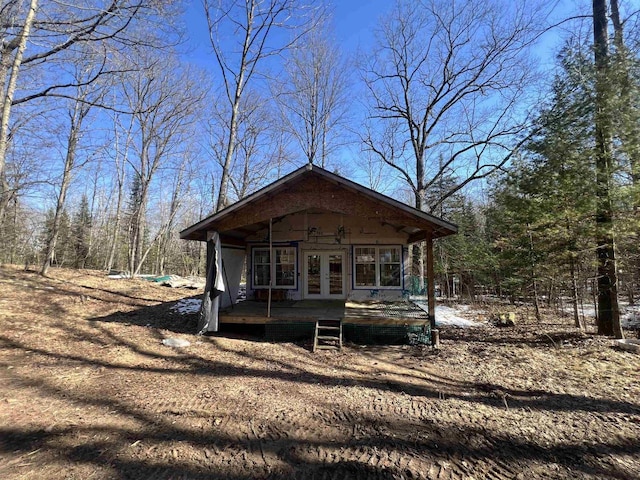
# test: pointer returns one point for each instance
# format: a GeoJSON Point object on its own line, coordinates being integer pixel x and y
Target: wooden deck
{"type": "Point", "coordinates": [365, 313]}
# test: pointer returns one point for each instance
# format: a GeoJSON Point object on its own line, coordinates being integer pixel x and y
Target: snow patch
{"type": "Point", "coordinates": [451, 316]}
{"type": "Point", "coordinates": [630, 317]}
{"type": "Point", "coordinates": [629, 314]}
{"type": "Point", "coordinates": [187, 306]}
{"type": "Point", "coordinates": [176, 342]}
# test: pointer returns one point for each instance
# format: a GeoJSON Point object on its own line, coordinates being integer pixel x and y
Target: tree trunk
{"type": "Point", "coordinates": [7, 66]}
{"type": "Point", "coordinates": [574, 296]}
{"type": "Point", "coordinates": [69, 163]}
{"type": "Point", "coordinates": [534, 276]}
{"type": "Point", "coordinates": [235, 107]}
{"type": "Point", "coordinates": [418, 248]}
{"type": "Point", "coordinates": [116, 226]}
{"type": "Point", "coordinates": [608, 312]}
{"type": "Point", "coordinates": [231, 145]}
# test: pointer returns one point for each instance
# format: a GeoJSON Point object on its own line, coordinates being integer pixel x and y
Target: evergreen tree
{"type": "Point", "coordinates": [542, 213]}
{"type": "Point", "coordinates": [546, 215]}
{"type": "Point", "coordinates": [466, 257]}
{"type": "Point", "coordinates": [135, 215]}
{"type": "Point", "coordinates": [80, 232]}
{"type": "Point", "coordinates": [64, 248]}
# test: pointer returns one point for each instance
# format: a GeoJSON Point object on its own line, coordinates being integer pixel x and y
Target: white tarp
{"type": "Point", "coordinates": [232, 267]}
{"type": "Point", "coordinates": [214, 288]}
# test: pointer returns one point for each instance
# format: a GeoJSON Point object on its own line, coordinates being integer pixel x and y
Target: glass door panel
{"type": "Point", "coordinates": [335, 274]}
{"type": "Point", "coordinates": [324, 275]}
{"type": "Point", "coordinates": [314, 274]}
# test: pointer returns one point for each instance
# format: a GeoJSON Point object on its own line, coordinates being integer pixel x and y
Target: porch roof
{"type": "Point", "coordinates": [313, 189]}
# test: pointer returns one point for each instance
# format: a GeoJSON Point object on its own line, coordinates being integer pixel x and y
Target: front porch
{"type": "Point", "coordinates": [363, 322]}
{"type": "Point", "coordinates": [311, 236]}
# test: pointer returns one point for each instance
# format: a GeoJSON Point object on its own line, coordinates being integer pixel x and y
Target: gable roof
{"type": "Point", "coordinates": [311, 187]}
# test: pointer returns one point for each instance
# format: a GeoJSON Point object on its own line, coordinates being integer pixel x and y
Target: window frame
{"type": "Point", "coordinates": [273, 266]}
{"type": "Point", "coordinates": [378, 267]}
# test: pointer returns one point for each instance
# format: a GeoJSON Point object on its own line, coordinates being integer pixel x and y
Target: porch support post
{"type": "Point", "coordinates": [431, 290]}
{"type": "Point", "coordinates": [271, 269]}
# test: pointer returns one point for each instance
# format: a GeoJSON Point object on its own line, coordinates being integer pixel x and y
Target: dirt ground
{"type": "Point", "coordinates": [88, 391]}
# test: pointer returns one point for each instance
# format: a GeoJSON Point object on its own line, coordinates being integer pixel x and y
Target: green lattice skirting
{"type": "Point", "coordinates": [386, 334]}
{"type": "Point", "coordinates": [354, 333]}
{"type": "Point", "coordinates": [289, 331]}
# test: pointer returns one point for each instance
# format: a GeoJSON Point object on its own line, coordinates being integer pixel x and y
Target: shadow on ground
{"type": "Point", "coordinates": [177, 433]}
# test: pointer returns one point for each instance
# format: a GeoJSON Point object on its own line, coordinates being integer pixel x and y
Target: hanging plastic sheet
{"type": "Point", "coordinates": [214, 288]}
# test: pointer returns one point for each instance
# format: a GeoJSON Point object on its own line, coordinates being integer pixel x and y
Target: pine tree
{"type": "Point", "coordinates": [542, 213]}
{"type": "Point", "coordinates": [465, 257]}
{"type": "Point", "coordinates": [136, 221]}
{"type": "Point", "coordinates": [80, 232]}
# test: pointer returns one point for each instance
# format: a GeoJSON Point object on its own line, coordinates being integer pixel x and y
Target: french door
{"type": "Point", "coordinates": [324, 275]}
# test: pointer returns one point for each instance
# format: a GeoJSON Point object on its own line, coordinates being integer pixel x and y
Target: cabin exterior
{"type": "Point", "coordinates": [331, 240]}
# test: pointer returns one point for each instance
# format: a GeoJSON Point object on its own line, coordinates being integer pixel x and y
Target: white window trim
{"type": "Point", "coordinates": [272, 270]}
{"type": "Point", "coordinates": [377, 286]}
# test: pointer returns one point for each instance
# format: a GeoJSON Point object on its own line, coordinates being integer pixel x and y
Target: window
{"type": "Point", "coordinates": [378, 267]}
{"type": "Point", "coordinates": [365, 266]}
{"type": "Point", "coordinates": [261, 267]}
{"type": "Point", "coordinates": [389, 266]}
{"type": "Point", "coordinates": [283, 271]}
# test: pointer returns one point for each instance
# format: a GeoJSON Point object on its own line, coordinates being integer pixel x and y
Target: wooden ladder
{"type": "Point", "coordinates": [328, 334]}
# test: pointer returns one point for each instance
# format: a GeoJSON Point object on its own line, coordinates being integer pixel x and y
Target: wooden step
{"type": "Point", "coordinates": [328, 334]}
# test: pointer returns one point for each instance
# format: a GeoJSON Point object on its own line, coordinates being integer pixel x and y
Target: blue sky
{"type": "Point", "coordinates": [354, 22]}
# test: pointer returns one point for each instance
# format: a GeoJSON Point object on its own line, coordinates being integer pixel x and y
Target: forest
{"type": "Point", "coordinates": [518, 121]}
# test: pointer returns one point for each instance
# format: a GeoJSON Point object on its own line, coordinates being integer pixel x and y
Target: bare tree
{"type": "Point", "coordinates": [121, 149]}
{"type": "Point", "coordinates": [244, 35]}
{"type": "Point", "coordinates": [313, 96]}
{"type": "Point", "coordinates": [166, 233]}
{"type": "Point", "coordinates": [259, 150]}
{"type": "Point", "coordinates": [36, 39]}
{"type": "Point", "coordinates": [446, 81]}
{"type": "Point", "coordinates": [80, 108]}
{"type": "Point", "coordinates": [163, 100]}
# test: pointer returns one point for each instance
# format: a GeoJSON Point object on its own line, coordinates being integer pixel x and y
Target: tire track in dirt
{"type": "Point", "coordinates": [330, 443]}
{"type": "Point", "coordinates": [230, 447]}
{"type": "Point", "coordinates": [449, 449]}
{"type": "Point", "coordinates": [317, 442]}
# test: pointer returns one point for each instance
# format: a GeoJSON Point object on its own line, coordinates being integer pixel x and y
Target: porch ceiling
{"type": "Point", "coordinates": [239, 235]}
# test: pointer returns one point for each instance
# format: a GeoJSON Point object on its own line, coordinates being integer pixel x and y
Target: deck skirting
{"type": "Point", "coordinates": [363, 322]}
{"type": "Point", "coordinates": [361, 334]}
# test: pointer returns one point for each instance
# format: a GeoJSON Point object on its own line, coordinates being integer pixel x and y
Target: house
{"type": "Point", "coordinates": [333, 242]}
